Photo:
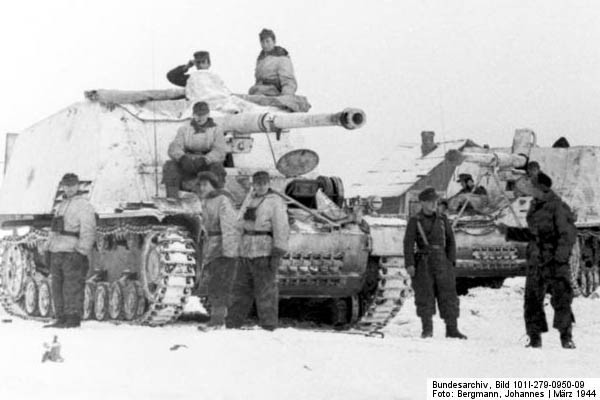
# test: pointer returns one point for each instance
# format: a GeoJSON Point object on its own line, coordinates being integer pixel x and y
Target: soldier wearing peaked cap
{"type": "Point", "coordinates": [198, 146]}
{"type": "Point", "coordinates": [72, 237]}
{"type": "Point", "coordinates": [179, 75]}
{"type": "Point", "coordinates": [430, 255]}
{"type": "Point", "coordinates": [551, 234]}
{"type": "Point", "coordinates": [265, 238]}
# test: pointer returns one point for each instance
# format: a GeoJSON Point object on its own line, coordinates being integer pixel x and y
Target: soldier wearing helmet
{"type": "Point", "coordinates": [430, 255]}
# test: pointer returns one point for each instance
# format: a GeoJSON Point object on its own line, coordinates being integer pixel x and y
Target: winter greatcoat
{"type": "Point", "coordinates": [274, 74]}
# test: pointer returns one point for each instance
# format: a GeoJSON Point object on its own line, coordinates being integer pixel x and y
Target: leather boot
{"type": "Point", "coordinates": [452, 330]}
{"type": "Point", "coordinates": [566, 339]}
{"type": "Point", "coordinates": [59, 323]}
{"type": "Point", "coordinates": [217, 316]}
{"type": "Point", "coordinates": [427, 325]}
{"type": "Point", "coordinates": [73, 321]}
{"type": "Point", "coordinates": [535, 341]}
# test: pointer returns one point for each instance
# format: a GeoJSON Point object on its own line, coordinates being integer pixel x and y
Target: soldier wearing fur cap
{"type": "Point", "coordinates": [220, 246]}
{"type": "Point", "coordinates": [72, 237]}
{"type": "Point", "coordinates": [551, 234]}
{"type": "Point", "coordinates": [430, 255]}
{"type": "Point", "coordinates": [274, 72]}
{"type": "Point", "coordinates": [265, 238]}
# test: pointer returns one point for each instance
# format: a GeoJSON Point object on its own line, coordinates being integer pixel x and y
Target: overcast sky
{"type": "Point", "coordinates": [477, 69]}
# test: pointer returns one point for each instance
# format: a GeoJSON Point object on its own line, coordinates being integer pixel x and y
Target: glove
{"type": "Point", "coordinates": [411, 270]}
{"type": "Point", "coordinates": [200, 163]}
{"type": "Point", "coordinates": [277, 252]}
{"type": "Point", "coordinates": [187, 164]}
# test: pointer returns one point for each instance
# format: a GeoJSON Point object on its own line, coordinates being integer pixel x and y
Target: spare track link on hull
{"type": "Point", "coordinates": [393, 288]}
{"type": "Point", "coordinates": [175, 279]}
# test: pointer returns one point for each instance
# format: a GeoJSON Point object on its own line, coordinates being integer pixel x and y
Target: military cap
{"type": "Point", "coordinates": [201, 108]}
{"type": "Point", "coordinates": [261, 176]}
{"type": "Point", "coordinates": [202, 56]}
{"type": "Point", "coordinates": [69, 179]}
{"type": "Point", "coordinates": [208, 176]}
{"type": "Point", "coordinates": [428, 194]}
{"type": "Point", "coordinates": [266, 33]}
{"type": "Point", "coordinates": [533, 164]}
{"type": "Point", "coordinates": [543, 182]}
{"type": "Point", "coordinates": [464, 177]}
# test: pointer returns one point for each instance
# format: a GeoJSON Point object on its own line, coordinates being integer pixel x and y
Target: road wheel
{"type": "Point", "coordinates": [44, 299]}
{"type": "Point", "coordinates": [101, 301]}
{"type": "Point", "coordinates": [115, 300]}
{"type": "Point", "coordinates": [130, 300]}
{"type": "Point", "coordinates": [88, 300]}
{"type": "Point", "coordinates": [31, 297]}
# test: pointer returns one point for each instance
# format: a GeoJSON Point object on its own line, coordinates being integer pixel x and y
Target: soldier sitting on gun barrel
{"type": "Point", "coordinates": [199, 146]}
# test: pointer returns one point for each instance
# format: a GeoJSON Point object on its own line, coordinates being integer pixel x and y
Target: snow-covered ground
{"type": "Point", "coordinates": [105, 361]}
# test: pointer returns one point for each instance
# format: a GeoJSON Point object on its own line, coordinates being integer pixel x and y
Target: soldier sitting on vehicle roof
{"type": "Point", "coordinates": [274, 72]}
{"type": "Point", "coordinates": [179, 75]}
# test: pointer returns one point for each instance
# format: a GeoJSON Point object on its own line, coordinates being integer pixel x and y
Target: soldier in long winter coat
{"type": "Point", "coordinates": [551, 234]}
{"type": "Point", "coordinates": [274, 71]}
{"type": "Point", "coordinates": [264, 241]}
{"type": "Point", "coordinates": [198, 146]}
{"type": "Point", "coordinates": [70, 244]}
{"type": "Point", "coordinates": [220, 249]}
{"type": "Point", "coordinates": [432, 265]}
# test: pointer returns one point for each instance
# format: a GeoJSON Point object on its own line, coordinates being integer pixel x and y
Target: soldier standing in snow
{"type": "Point", "coordinates": [432, 266]}
{"type": "Point", "coordinates": [71, 241]}
{"type": "Point", "coordinates": [274, 71]}
{"type": "Point", "coordinates": [551, 234]}
{"type": "Point", "coordinates": [221, 246]}
{"type": "Point", "coordinates": [179, 75]}
{"type": "Point", "coordinates": [264, 242]}
{"type": "Point", "coordinates": [199, 146]}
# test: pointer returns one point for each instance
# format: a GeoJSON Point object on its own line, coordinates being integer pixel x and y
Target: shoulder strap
{"type": "Point", "coordinates": [422, 233]}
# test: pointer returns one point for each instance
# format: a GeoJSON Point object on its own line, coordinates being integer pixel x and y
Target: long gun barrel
{"type": "Point", "coordinates": [350, 118]}
{"type": "Point", "coordinates": [487, 159]}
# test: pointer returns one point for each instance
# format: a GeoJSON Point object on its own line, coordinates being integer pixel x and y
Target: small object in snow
{"type": "Point", "coordinates": [307, 367]}
{"type": "Point", "coordinates": [7, 320]}
{"type": "Point", "coordinates": [177, 347]}
{"type": "Point", "coordinates": [475, 312]}
{"type": "Point", "coordinates": [52, 352]}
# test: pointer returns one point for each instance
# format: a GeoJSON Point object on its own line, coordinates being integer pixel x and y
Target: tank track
{"type": "Point", "coordinates": [386, 300]}
{"type": "Point", "coordinates": [164, 304]}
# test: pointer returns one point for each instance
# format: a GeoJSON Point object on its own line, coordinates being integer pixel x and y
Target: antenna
{"type": "Point", "coordinates": [443, 126]}
{"type": "Point", "coordinates": [154, 123]}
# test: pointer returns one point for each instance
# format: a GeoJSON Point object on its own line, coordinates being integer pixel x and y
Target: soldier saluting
{"type": "Point", "coordinates": [432, 265]}
{"type": "Point", "coordinates": [551, 234]}
{"type": "Point", "coordinates": [70, 244]}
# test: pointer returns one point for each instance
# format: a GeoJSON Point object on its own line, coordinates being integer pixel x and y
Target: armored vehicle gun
{"type": "Point", "coordinates": [481, 249]}
{"type": "Point", "coordinates": [146, 263]}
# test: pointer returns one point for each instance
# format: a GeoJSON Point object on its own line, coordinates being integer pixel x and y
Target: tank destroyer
{"type": "Point", "coordinates": [146, 263]}
{"type": "Point", "coordinates": [481, 249]}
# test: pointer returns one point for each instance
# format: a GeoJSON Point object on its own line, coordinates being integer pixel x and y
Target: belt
{"type": "Point", "coordinates": [257, 233]}
{"type": "Point", "coordinates": [67, 233]}
{"type": "Point", "coordinates": [213, 233]}
{"type": "Point", "coordinates": [274, 82]}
